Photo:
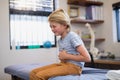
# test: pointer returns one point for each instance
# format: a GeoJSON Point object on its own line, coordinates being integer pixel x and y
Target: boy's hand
{"type": "Point", "coordinates": [62, 55]}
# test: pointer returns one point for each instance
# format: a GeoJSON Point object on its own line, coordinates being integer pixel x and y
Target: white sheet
{"type": "Point", "coordinates": [113, 74]}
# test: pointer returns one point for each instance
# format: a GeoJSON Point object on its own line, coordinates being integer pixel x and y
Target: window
{"type": "Point", "coordinates": [116, 18]}
{"type": "Point", "coordinates": [29, 27]}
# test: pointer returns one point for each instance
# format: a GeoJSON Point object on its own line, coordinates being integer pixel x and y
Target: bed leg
{"type": "Point", "coordinates": [15, 78]}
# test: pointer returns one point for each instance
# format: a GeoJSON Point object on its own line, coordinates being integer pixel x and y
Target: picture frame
{"type": "Point", "coordinates": [73, 11]}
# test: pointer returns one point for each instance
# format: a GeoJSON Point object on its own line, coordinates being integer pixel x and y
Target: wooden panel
{"type": "Point", "coordinates": [105, 64]}
{"type": "Point", "coordinates": [84, 2]}
{"type": "Point", "coordinates": [86, 21]}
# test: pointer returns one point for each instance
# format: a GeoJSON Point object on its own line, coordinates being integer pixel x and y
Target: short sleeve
{"type": "Point", "coordinates": [76, 40]}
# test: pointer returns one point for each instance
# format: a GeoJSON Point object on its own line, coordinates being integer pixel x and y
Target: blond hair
{"type": "Point", "coordinates": [60, 16]}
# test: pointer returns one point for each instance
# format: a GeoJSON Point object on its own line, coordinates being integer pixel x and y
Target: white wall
{"type": "Point", "coordinates": [107, 29]}
{"type": "Point", "coordinates": [10, 57]}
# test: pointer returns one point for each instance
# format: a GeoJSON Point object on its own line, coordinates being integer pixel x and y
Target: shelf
{"type": "Point", "coordinates": [84, 2]}
{"type": "Point", "coordinates": [97, 17]}
{"type": "Point", "coordinates": [97, 40]}
{"type": "Point", "coordinates": [104, 64]}
{"type": "Point", "coordinates": [86, 21]}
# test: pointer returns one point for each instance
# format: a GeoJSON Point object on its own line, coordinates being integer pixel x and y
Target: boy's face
{"type": "Point", "coordinates": [57, 29]}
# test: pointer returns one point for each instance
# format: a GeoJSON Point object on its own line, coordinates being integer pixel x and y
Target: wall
{"type": "Point", "coordinates": [10, 57]}
{"type": "Point", "coordinates": [107, 29]}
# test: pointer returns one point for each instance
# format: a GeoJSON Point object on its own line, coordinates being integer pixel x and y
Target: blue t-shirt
{"type": "Point", "coordinates": [69, 44]}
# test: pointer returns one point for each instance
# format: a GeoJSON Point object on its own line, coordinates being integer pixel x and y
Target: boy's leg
{"type": "Point", "coordinates": [35, 71]}
{"type": "Point", "coordinates": [59, 70]}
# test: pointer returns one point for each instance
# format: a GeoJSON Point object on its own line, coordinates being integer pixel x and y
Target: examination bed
{"type": "Point", "coordinates": [21, 72]}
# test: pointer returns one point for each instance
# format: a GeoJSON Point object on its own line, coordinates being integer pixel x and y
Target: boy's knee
{"type": "Point", "coordinates": [42, 76]}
